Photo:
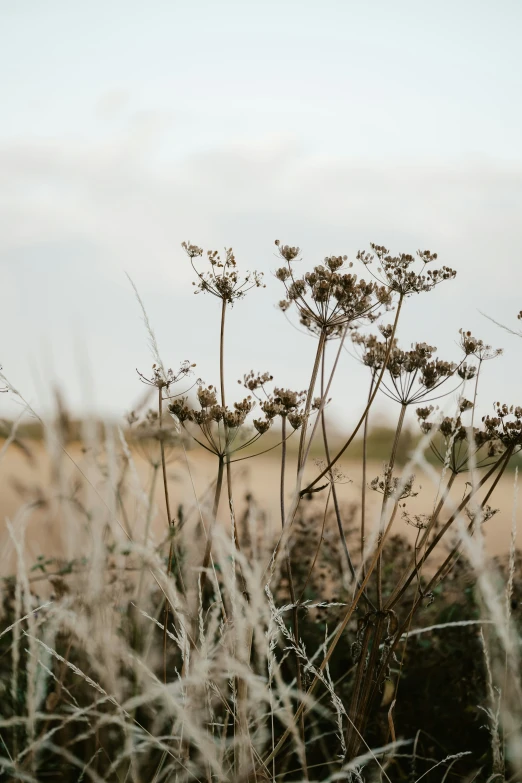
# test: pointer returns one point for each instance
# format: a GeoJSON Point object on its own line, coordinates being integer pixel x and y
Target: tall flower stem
{"type": "Point", "coordinates": [363, 488]}
{"type": "Point", "coordinates": [325, 389]}
{"type": "Point", "coordinates": [386, 495]}
{"type": "Point", "coordinates": [338, 456]}
{"type": "Point", "coordinates": [402, 586]}
{"type": "Point", "coordinates": [338, 635]}
{"type": "Point", "coordinates": [309, 399]}
{"type": "Point", "coordinates": [332, 482]}
{"type": "Point", "coordinates": [244, 654]}
{"type": "Point", "coordinates": [442, 570]}
{"type": "Point", "coordinates": [170, 523]}
{"type": "Point", "coordinates": [222, 351]}
{"type": "Point", "coordinates": [295, 615]}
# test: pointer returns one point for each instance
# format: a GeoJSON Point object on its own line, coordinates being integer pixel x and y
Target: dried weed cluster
{"type": "Point", "coordinates": [225, 653]}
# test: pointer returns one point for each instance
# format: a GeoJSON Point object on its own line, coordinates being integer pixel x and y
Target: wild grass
{"type": "Point", "coordinates": [332, 650]}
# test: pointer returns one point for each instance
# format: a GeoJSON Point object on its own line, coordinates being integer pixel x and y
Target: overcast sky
{"type": "Point", "coordinates": [127, 127]}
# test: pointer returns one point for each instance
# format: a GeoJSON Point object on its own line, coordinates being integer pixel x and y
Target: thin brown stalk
{"type": "Point", "coordinates": [442, 570]}
{"type": "Point", "coordinates": [324, 663]}
{"type": "Point", "coordinates": [309, 400]}
{"type": "Point", "coordinates": [295, 614]}
{"type": "Point", "coordinates": [338, 456]}
{"type": "Point", "coordinates": [215, 507]}
{"type": "Point", "coordinates": [387, 483]}
{"type": "Point", "coordinates": [170, 523]}
{"type": "Point", "coordinates": [318, 549]}
{"type": "Point", "coordinates": [447, 565]}
{"type": "Point", "coordinates": [222, 351]}
{"type": "Point", "coordinates": [356, 729]}
{"type": "Point", "coordinates": [416, 566]}
{"type": "Point", "coordinates": [363, 489]}
{"type": "Point", "coordinates": [325, 391]}
{"type": "Point", "coordinates": [331, 477]}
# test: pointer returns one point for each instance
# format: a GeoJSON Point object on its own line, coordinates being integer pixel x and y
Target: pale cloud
{"type": "Point", "coordinates": [125, 207]}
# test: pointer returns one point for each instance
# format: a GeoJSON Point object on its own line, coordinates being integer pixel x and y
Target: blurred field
{"type": "Point", "coordinates": [26, 475]}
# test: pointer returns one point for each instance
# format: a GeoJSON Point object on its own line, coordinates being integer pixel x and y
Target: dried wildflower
{"type": "Point", "coordinates": [506, 426]}
{"type": "Point", "coordinates": [413, 374]}
{"type": "Point", "coordinates": [207, 397]}
{"type": "Point", "coordinates": [180, 410]}
{"type": "Point", "coordinates": [374, 351]}
{"type": "Point", "coordinates": [262, 425]}
{"type": "Point", "coordinates": [397, 274]}
{"type": "Point", "coordinates": [271, 409]}
{"type": "Point", "coordinates": [466, 371]}
{"type": "Point", "coordinates": [452, 447]}
{"type": "Point", "coordinates": [479, 513]}
{"type": "Point", "coordinates": [424, 413]}
{"type": "Point", "coordinates": [147, 435]}
{"type": "Point", "coordinates": [472, 346]}
{"type": "Point", "coordinates": [419, 521]}
{"type": "Point", "coordinates": [335, 475]}
{"type": "Point", "coordinates": [288, 399]}
{"type": "Point", "coordinates": [318, 401]}
{"type": "Point", "coordinates": [328, 298]}
{"type": "Point", "coordinates": [162, 379]}
{"type": "Point", "coordinates": [223, 280]}
{"type": "Point", "coordinates": [388, 485]}
{"type": "Point", "coordinates": [220, 425]}
{"type": "Point", "coordinates": [296, 420]}
{"type": "Point", "coordinates": [253, 381]}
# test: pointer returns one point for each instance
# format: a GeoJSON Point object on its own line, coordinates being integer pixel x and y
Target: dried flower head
{"type": "Point", "coordinates": [329, 298]}
{"type": "Point", "coordinates": [414, 374]}
{"type": "Point", "coordinates": [397, 273]}
{"type": "Point", "coordinates": [223, 280]}
{"type": "Point", "coordinates": [373, 350]}
{"type": "Point", "coordinates": [506, 425]}
{"type": "Point", "coordinates": [262, 425]}
{"type": "Point", "coordinates": [451, 440]}
{"type": "Point", "coordinates": [162, 379]}
{"type": "Point", "coordinates": [472, 346]}
{"type": "Point", "coordinates": [388, 485]}
{"type": "Point", "coordinates": [207, 397]}
{"type": "Point", "coordinates": [479, 513]}
{"type": "Point", "coordinates": [335, 475]}
{"type": "Point", "coordinates": [419, 521]}
{"type": "Point", "coordinates": [147, 435]}
{"type": "Point", "coordinates": [253, 381]}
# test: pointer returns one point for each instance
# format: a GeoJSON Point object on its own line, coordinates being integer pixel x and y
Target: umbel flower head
{"type": "Point", "coordinates": [472, 346]}
{"type": "Point", "coordinates": [163, 379]}
{"type": "Point", "coordinates": [329, 298]}
{"type": "Point", "coordinates": [398, 274]}
{"type": "Point", "coordinates": [392, 486]}
{"type": "Point", "coordinates": [285, 403]}
{"type": "Point", "coordinates": [222, 427]}
{"type": "Point", "coordinates": [147, 434]}
{"type": "Point", "coordinates": [451, 442]}
{"type": "Point", "coordinates": [506, 425]}
{"type": "Point", "coordinates": [223, 279]}
{"type": "Point", "coordinates": [414, 374]}
{"type": "Point", "coordinates": [218, 424]}
{"type": "Point", "coordinates": [373, 351]}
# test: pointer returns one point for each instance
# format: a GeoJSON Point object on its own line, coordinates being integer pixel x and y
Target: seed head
{"type": "Point", "coordinates": [397, 273]}
{"type": "Point", "coordinates": [223, 280]}
{"type": "Point", "coordinates": [329, 298]}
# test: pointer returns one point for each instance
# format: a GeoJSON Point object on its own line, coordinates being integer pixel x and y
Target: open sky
{"type": "Point", "coordinates": [127, 127]}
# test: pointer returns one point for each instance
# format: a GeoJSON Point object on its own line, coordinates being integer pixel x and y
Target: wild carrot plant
{"type": "Point", "coordinates": [217, 648]}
